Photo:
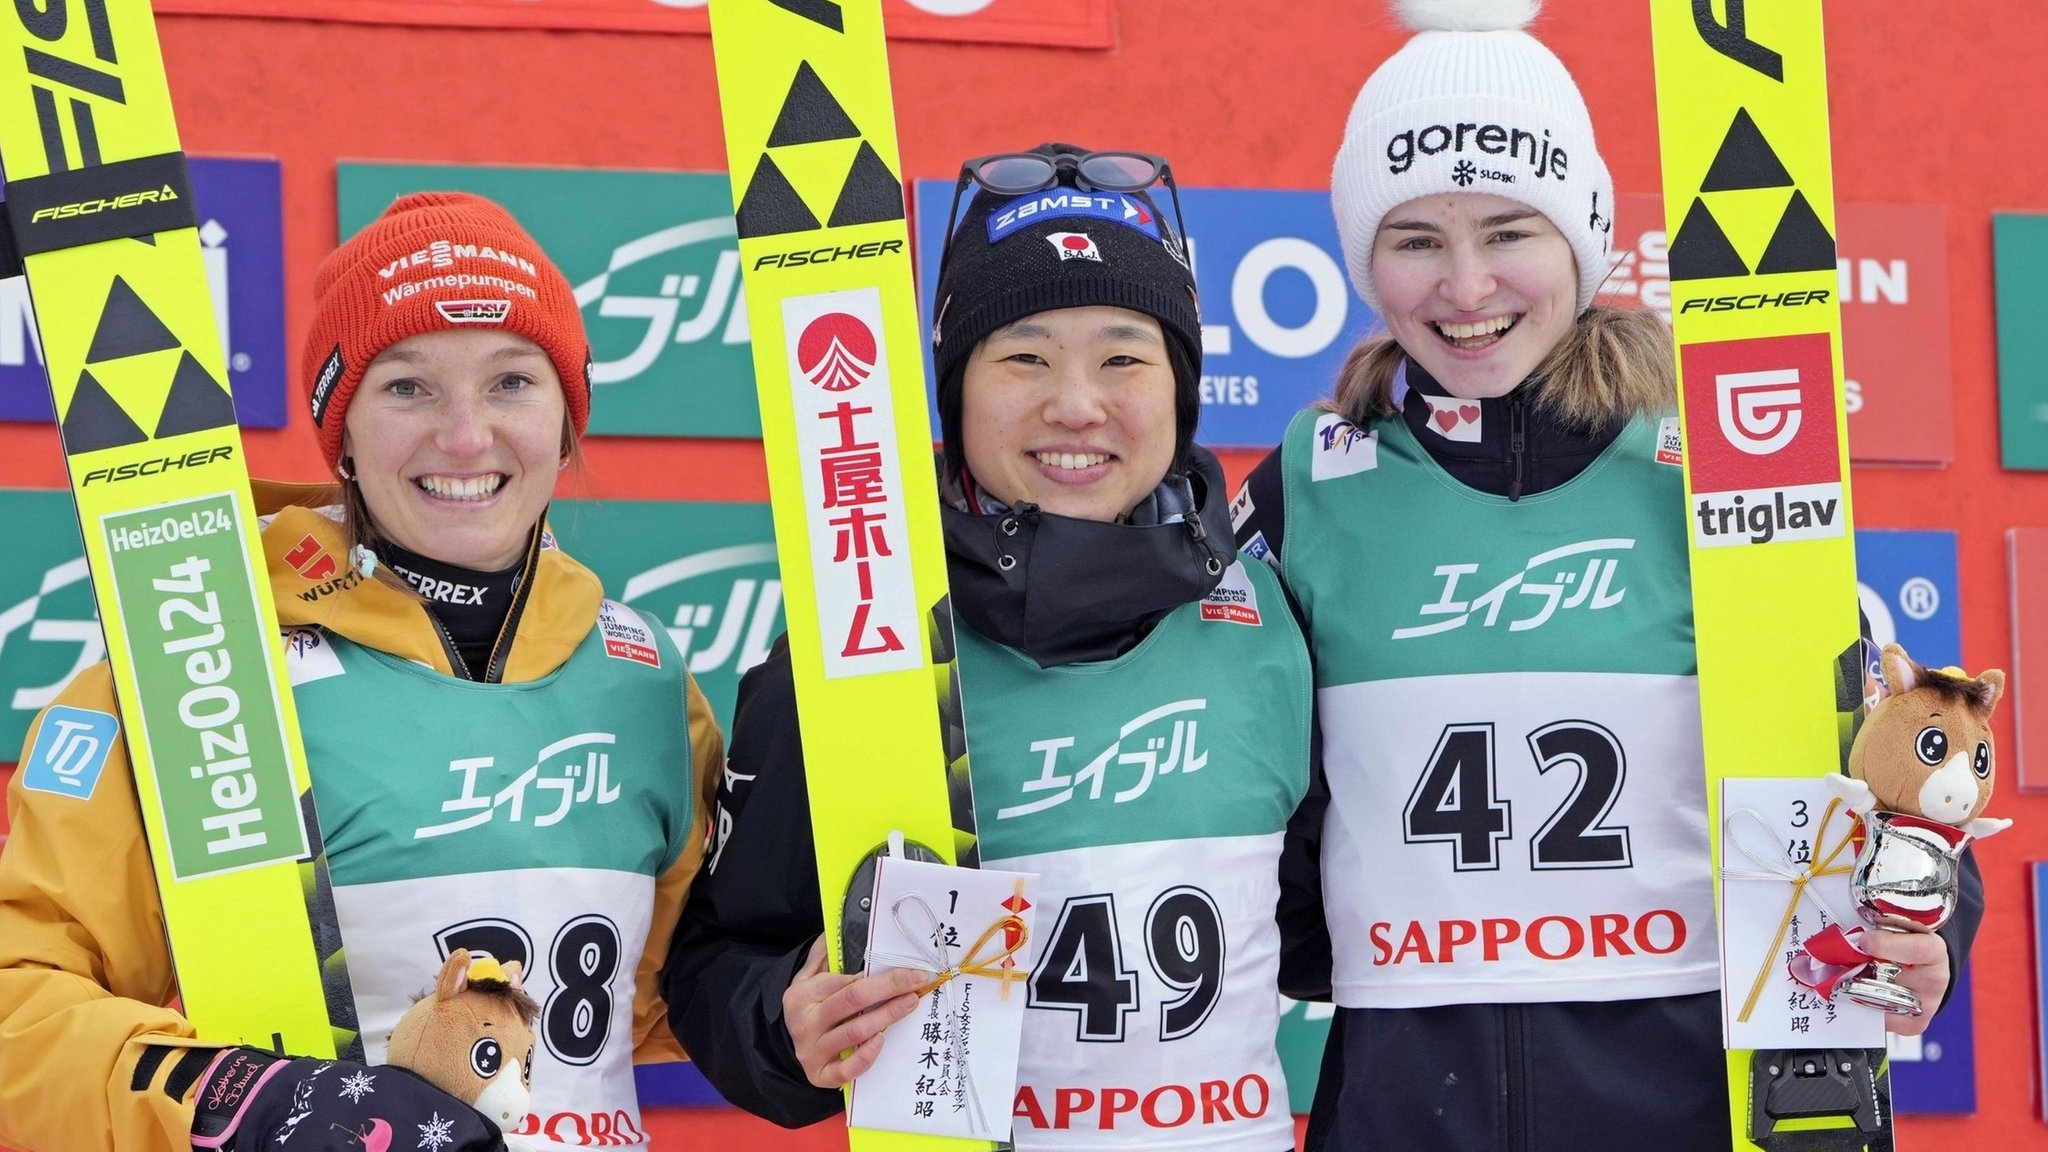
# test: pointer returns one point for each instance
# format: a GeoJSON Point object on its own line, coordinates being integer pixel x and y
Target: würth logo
{"type": "Point", "coordinates": [310, 560]}
{"type": "Point", "coordinates": [836, 352]}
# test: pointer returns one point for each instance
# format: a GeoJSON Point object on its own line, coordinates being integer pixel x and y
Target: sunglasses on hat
{"type": "Point", "coordinates": [1022, 173]}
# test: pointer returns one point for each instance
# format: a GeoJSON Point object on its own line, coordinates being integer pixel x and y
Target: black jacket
{"type": "Point", "coordinates": [1072, 591]}
{"type": "Point", "coordinates": [1504, 1077]}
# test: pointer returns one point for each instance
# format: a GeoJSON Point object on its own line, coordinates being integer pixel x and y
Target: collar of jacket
{"type": "Point", "coordinates": [315, 584]}
{"type": "Point", "coordinates": [1544, 437]}
{"type": "Point", "coordinates": [1067, 591]}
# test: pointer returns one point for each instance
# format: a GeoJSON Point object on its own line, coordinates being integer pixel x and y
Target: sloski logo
{"type": "Point", "coordinates": [1342, 448]}
{"type": "Point", "coordinates": [1454, 419]}
{"type": "Point", "coordinates": [1576, 576]}
{"type": "Point", "coordinates": [836, 352]}
{"type": "Point", "coordinates": [1167, 748]}
{"type": "Point", "coordinates": [1074, 246]}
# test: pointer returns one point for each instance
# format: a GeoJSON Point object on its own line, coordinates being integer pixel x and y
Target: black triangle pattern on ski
{"type": "Point", "coordinates": [127, 327]}
{"type": "Point", "coordinates": [1701, 251]}
{"type": "Point", "coordinates": [822, 12]}
{"type": "Point", "coordinates": [810, 113]}
{"type": "Point", "coordinates": [871, 193]}
{"type": "Point", "coordinates": [196, 401]}
{"type": "Point", "coordinates": [771, 206]}
{"type": "Point", "coordinates": [1801, 243]}
{"type": "Point", "coordinates": [94, 421]}
{"type": "Point", "coordinates": [1745, 160]}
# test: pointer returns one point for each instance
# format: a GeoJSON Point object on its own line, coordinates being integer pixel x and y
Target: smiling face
{"type": "Point", "coordinates": [456, 438]}
{"type": "Point", "coordinates": [1477, 288]}
{"type": "Point", "coordinates": [1071, 410]}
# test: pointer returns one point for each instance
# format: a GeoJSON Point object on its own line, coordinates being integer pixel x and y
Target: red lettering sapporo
{"type": "Point", "coordinates": [1167, 1106]}
{"type": "Point", "coordinates": [1658, 932]}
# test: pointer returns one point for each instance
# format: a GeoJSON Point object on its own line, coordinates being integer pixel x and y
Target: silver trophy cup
{"type": "Point", "coordinates": [1905, 880]}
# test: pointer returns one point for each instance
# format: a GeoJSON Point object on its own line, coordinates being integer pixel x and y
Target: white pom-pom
{"type": "Point", "coordinates": [1466, 15]}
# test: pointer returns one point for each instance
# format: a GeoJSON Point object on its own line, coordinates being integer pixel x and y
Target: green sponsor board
{"type": "Point", "coordinates": [705, 571]}
{"type": "Point", "coordinates": [655, 265]}
{"type": "Point", "coordinates": [2019, 244]}
{"type": "Point", "coordinates": [224, 779]}
{"type": "Point", "coordinates": [49, 628]}
{"type": "Point", "coordinates": [1304, 1028]}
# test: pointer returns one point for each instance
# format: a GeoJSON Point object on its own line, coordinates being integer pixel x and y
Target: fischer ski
{"type": "Point", "coordinates": [99, 209]}
{"type": "Point", "coordinates": [838, 360]}
{"type": "Point", "coordinates": [1749, 202]}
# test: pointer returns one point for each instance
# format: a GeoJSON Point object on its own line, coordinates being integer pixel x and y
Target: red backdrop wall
{"type": "Point", "coordinates": [1927, 107]}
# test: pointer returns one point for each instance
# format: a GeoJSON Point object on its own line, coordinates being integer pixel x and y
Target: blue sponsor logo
{"type": "Point", "coordinates": [70, 750]}
{"type": "Point", "coordinates": [1054, 203]}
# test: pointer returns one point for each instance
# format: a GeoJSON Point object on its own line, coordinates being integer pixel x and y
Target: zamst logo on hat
{"type": "Point", "coordinates": [836, 352]}
{"type": "Point", "coordinates": [1116, 207]}
{"type": "Point", "coordinates": [1074, 246]}
{"type": "Point", "coordinates": [473, 311]}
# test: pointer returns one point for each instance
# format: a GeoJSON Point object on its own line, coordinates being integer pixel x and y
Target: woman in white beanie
{"type": "Point", "coordinates": [1502, 876]}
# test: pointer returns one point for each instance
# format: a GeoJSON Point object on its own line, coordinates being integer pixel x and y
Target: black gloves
{"type": "Point", "coordinates": [252, 1101]}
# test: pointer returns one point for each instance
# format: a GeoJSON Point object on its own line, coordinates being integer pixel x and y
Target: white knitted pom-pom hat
{"type": "Point", "coordinates": [1472, 103]}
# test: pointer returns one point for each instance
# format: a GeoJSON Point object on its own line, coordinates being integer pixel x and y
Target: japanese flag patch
{"type": "Point", "coordinates": [626, 635]}
{"type": "Point", "coordinates": [1074, 246]}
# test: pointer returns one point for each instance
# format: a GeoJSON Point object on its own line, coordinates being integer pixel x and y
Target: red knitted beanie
{"type": "Point", "coordinates": [432, 262]}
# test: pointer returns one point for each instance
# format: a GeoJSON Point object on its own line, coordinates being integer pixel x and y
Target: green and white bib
{"type": "Point", "coordinates": [1510, 718]}
{"type": "Point", "coordinates": [529, 821]}
{"type": "Point", "coordinates": [1150, 793]}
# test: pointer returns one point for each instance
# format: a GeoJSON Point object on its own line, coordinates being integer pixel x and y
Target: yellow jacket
{"type": "Point", "coordinates": [85, 973]}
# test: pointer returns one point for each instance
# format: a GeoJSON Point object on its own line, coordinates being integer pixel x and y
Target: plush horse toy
{"type": "Point", "coordinates": [472, 1037]}
{"type": "Point", "coordinates": [1926, 749]}
{"type": "Point", "coordinates": [1920, 774]}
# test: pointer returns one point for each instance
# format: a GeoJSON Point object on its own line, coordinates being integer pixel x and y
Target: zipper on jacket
{"type": "Point", "coordinates": [1517, 1073]}
{"type": "Point", "coordinates": [1516, 442]}
{"type": "Point", "coordinates": [455, 660]}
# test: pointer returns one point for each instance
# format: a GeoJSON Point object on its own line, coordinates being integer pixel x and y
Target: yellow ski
{"type": "Point", "coordinates": [100, 212]}
{"type": "Point", "coordinates": [824, 251]}
{"type": "Point", "coordinates": [1749, 204]}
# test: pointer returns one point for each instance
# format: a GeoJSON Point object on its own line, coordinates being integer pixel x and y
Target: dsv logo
{"type": "Point", "coordinates": [719, 299]}
{"type": "Point", "coordinates": [1759, 411]}
{"type": "Point", "coordinates": [1551, 581]}
{"type": "Point", "coordinates": [711, 636]}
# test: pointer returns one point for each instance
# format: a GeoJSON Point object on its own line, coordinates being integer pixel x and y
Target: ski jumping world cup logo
{"type": "Point", "coordinates": [836, 352]}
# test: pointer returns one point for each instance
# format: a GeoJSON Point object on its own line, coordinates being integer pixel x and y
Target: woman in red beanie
{"type": "Point", "coordinates": [426, 604]}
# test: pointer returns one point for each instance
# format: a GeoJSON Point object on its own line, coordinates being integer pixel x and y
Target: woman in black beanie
{"type": "Point", "coordinates": [1136, 700]}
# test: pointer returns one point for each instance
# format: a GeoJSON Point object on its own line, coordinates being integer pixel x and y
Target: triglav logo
{"type": "Point", "coordinates": [1759, 411]}
{"type": "Point", "coordinates": [836, 352]}
{"type": "Point", "coordinates": [1551, 581]}
{"type": "Point", "coordinates": [1160, 752]}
